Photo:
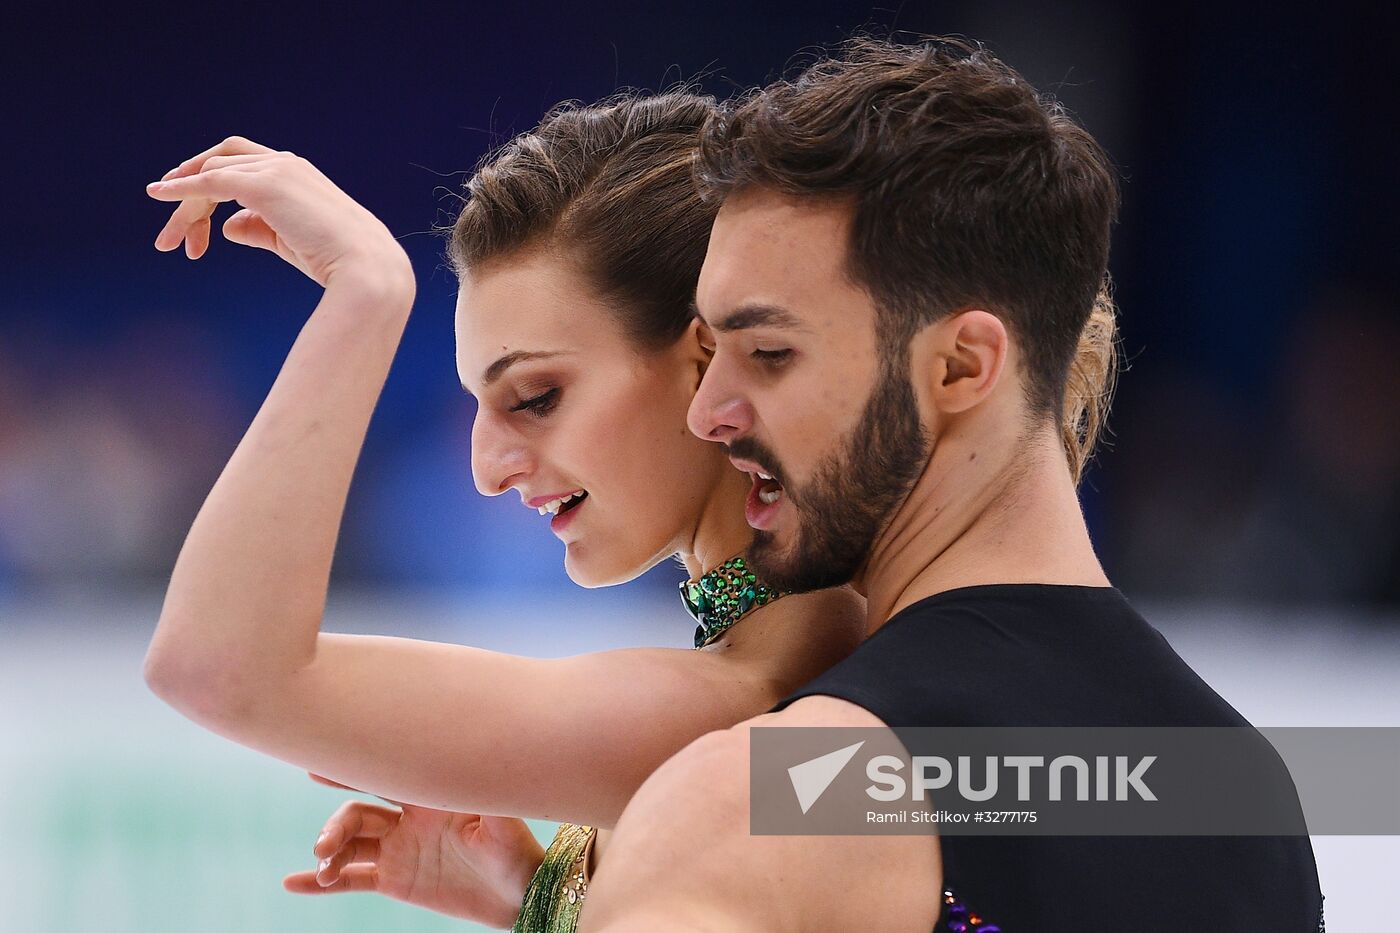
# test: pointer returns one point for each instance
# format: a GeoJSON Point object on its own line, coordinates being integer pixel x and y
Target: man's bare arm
{"type": "Point", "coordinates": [682, 858]}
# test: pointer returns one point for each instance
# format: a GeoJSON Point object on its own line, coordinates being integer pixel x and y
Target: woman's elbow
{"type": "Point", "coordinates": [206, 689]}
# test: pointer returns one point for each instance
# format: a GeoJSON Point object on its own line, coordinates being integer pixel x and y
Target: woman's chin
{"type": "Point", "coordinates": [595, 570]}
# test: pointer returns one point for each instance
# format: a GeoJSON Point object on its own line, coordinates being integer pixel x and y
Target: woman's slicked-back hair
{"type": "Point", "coordinates": [970, 189]}
{"type": "Point", "coordinates": [610, 187]}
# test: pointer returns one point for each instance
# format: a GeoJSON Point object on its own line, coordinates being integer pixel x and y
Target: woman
{"type": "Point", "coordinates": [578, 252]}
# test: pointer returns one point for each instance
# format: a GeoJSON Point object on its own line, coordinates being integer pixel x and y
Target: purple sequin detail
{"type": "Point", "coordinates": [959, 918]}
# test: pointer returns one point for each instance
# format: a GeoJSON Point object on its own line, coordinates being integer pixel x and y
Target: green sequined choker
{"type": "Point", "coordinates": [724, 596]}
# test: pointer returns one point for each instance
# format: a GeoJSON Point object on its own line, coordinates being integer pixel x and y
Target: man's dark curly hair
{"type": "Point", "coordinates": [969, 188]}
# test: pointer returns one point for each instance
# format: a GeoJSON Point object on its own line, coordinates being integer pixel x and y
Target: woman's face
{"type": "Point", "coordinates": [568, 405]}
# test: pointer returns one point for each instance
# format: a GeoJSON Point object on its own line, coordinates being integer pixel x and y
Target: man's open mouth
{"type": "Point", "coordinates": [768, 489]}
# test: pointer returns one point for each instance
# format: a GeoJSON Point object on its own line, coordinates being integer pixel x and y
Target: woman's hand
{"type": "Point", "coordinates": [288, 207]}
{"type": "Point", "coordinates": [461, 864]}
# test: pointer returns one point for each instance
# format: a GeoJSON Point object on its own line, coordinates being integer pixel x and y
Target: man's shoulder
{"type": "Point", "coordinates": [701, 796]}
{"type": "Point", "coordinates": [816, 709]}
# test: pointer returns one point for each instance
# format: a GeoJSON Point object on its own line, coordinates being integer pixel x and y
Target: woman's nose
{"type": "Point", "coordinates": [500, 457]}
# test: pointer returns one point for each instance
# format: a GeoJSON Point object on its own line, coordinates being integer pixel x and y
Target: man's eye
{"type": "Point", "coordinates": [541, 404]}
{"type": "Point", "coordinates": [772, 357]}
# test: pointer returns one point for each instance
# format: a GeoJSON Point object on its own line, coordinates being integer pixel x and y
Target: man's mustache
{"type": "Point", "coordinates": [747, 448]}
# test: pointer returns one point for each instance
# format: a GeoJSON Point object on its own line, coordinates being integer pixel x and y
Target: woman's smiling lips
{"type": "Point", "coordinates": [543, 504]}
{"type": "Point", "coordinates": [558, 505]}
{"type": "Point", "coordinates": [562, 519]}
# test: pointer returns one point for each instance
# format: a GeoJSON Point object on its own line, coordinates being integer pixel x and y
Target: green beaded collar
{"type": "Point", "coordinates": [722, 597]}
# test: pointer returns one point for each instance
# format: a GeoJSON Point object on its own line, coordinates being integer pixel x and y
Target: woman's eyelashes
{"type": "Point", "coordinates": [539, 405]}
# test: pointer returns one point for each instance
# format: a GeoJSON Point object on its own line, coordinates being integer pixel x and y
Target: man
{"type": "Point", "coordinates": [909, 246]}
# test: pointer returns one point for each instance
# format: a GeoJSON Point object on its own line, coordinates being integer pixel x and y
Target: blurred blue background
{"type": "Point", "coordinates": [1252, 471]}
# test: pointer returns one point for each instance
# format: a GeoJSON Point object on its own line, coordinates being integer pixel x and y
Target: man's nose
{"type": "Point", "coordinates": [500, 457]}
{"type": "Point", "coordinates": [717, 413]}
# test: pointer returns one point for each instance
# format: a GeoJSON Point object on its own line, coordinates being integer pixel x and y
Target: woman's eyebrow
{"type": "Point", "coordinates": [498, 368]}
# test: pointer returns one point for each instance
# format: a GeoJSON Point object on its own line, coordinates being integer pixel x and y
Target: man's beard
{"type": "Point", "coordinates": [852, 494]}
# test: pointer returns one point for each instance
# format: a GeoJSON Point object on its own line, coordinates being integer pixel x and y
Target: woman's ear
{"type": "Point", "coordinates": [700, 346]}
{"type": "Point", "coordinates": [704, 335]}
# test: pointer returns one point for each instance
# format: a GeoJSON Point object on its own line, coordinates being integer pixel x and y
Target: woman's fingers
{"type": "Point", "coordinates": [198, 195]}
{"type": "Point", "coordinates": [218, 184]}
{"type": "Point", "coordinates": [354, 878]}
{"type": "Point", "coordinates": [351, 836]}
{"type": "Point", "coordinates": [197, 238]}
{"type": "Point", "coordinates": [249, 229]}
{"type": "Point", "coordinates": [224, 161]}
{"type": "Point", "coordinates": [191, 219]}
{"type": "Point", "coordinates": [359, 849]}
{"type": "Point", "coordinates": [354, 818]}
{"type": "Point", "coordinates": [233, 145]}
{"type": "Point", "coordinates": [181, 219]}
{"type": "Point", "coordinates": [187, 217]}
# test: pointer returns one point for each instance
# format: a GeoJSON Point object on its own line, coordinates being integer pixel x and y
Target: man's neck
{"type": "Point", "coordinates": [988, 508]}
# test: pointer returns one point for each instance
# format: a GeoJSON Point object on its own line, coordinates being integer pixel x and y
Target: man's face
{"type": "Point", "coordinates": [798, 389]}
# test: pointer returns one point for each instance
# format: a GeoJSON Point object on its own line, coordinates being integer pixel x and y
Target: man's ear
{"type": "Point", "coordinates": [965, 355]}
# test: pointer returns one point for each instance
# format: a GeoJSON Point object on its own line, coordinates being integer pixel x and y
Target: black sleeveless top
{"type": "Point", "coordinates": [1053, 655]}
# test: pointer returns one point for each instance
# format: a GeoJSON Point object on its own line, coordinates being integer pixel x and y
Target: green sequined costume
{"type": "Point", "coordinates": [555, 895]}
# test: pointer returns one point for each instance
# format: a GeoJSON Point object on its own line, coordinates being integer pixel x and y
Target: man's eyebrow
{"type": "Point", "coordinates": [497, 369]}
{"type": "Point", "coordinates": [747, 316]}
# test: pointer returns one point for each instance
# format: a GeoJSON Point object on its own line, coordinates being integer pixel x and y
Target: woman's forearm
{"type": "Point", "coordinates": [248, 591]}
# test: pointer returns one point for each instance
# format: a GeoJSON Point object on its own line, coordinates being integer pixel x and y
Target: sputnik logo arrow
{"type": "Point", "coordinates": [811, 778]}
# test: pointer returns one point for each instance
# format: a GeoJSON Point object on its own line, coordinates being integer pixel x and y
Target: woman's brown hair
{"type": "Point", "coordinates": [609, 185]}
{"type": "Point", "coordinates": [1089, 384]}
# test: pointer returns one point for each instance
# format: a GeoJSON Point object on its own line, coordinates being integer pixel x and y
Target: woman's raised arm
{"type": "Point", "coordinates": [238, 647]}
